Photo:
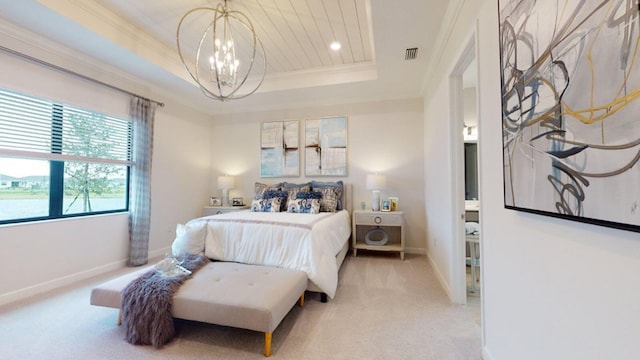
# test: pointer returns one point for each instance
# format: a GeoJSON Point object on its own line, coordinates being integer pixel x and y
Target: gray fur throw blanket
{"type": "Point", "coordinates": [147, 302]}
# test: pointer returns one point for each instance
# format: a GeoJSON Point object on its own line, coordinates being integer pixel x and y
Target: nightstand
{"type": "Point", "coordinates": [378, 231]}
{"type": "Point", "coordinates": [216, 210]}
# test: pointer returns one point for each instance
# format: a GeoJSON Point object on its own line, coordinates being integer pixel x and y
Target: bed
{"type": "Point", "coordinates": [314, 243]}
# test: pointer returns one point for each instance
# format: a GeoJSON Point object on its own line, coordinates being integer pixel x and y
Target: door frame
{"type": "Point", "coordinates": [458, 255]}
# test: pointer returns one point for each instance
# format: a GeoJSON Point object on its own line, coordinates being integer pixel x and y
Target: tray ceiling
{"type": "Point", "coordinates": [140, 37]}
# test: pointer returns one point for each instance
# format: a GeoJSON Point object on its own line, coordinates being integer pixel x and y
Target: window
{"type": "Point", "coordinates": [59, 161]}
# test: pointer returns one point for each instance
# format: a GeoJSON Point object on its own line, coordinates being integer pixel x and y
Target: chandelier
{"type": "Point", "coordinates": [228, 60]}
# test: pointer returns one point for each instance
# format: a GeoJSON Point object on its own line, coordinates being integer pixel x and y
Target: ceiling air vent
{"type": "Point", "coordinates": [411, 53]}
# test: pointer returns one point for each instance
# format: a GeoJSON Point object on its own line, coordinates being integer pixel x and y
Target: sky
{"type": "Point", "coordinates": [21, 167]}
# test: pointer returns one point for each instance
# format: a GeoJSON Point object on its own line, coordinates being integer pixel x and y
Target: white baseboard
{"type": "Point", "coordinates": [441, 279]}
{"type": "Point", "coordinates": [59, 282]}
{"type": "Point", "coordinates": [158, 253]}
{"type": "Point", "coordinates": [485, 354]}
{"type": "Point", "coordinates": [72, 278]}
{"type": "Point", "coordinates": [420, 251]}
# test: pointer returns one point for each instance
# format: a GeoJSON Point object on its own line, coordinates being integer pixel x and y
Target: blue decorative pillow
{"type": "Point", "coordinates": [268, 194]}
{"type": "Point", "coordinates": [336, 186]}
{"type": "Point", "coordinates": [266, 205]}
{"type": "Point", "coordinates": [304, 206]}
{"type": "Point", "coordinates": [260, 188]}
{"type": "Point", "coordinates": [293, 189]}
{"type": "Point", "coordinates": [309, 195]}
{"type": "Point", "coordinates": [283, 195]}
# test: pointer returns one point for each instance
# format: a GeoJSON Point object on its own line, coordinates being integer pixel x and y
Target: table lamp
{"type": "Point", "coordinates": [376, 182]}
{"type": "Point", "coordinates": [225, 183]}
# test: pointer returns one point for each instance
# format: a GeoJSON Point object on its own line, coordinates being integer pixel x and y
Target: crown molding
{"type": "Point", "coordinates": [24, 41]}
{"type": "Point", "coordinates": [30, 43]}
{"type": "Point", "coordinates": [108, 25]}
{"type": "Point", "coordinates": [340, 74]}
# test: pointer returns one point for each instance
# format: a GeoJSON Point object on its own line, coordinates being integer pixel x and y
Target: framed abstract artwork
{"type": "Point", "coordinates": [279, 149]}
{"type": "Point", "coordinates": [570, 88]}
{"type": "Point", "coordinates": [326, 146]}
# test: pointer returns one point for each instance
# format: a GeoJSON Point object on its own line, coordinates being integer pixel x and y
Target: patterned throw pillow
{"type": "Point", "coordinates": [337, 186]}
{"type": "Point", "coordinates": [269, 194]}
{"type": "Point", "coordinates": [329, 202]}
{"type": "Point", "coordinates": [260, 188]}
{"type": "Point", "coordinates": [293, 189]}
{"type": "Point", "coordinates": [266, 205]}
{"type": "Point", "coordinates": [304, 206]}
{"type": "Point", "coordinates": [309, 195]}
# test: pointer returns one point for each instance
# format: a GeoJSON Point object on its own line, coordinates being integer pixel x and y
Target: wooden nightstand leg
{"type": "Point", "coordinates": [267, 344]}
{"type": "Point", "coordinates": [119, 317]}
{"type": "Point", "coordinates": [302, 300]}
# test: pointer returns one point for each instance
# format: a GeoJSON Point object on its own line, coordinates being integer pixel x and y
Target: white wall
{"type": "Point", "coordinates": [552, 289]}
{"type": "Point", "coordinates": [438, 184]}
{"type": "Point", "coordinates": [383, 137]}
{"type": "Point", "coordinates": [45, 255]}
{"type": "Point", "coordinates": [41, 256]}
{"type": "Point", "coordinates": [470, 115]}
{"type": "Point", "coordinates": [181, 172]}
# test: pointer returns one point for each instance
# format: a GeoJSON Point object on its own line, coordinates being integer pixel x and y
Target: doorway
{"type": "Point", "coordinates": [465, 140]}
{"type": "Point", "coordinates": [471, 189]}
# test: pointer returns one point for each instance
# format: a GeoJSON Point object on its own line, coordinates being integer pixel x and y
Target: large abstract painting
{"type": "Point", "coordinates": [570, 76]}
{"type": "Point", "coordinates": [279, 149]}
{"type": "Point", "coordinates": [326, 147]}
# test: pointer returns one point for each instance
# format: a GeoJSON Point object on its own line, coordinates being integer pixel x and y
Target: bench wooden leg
{"type": "Point", "coordinates": [119, 317]}
{"type": "Point", "coordinates": [267, 344]}
{"type": "Point", "coordinates": [267, 335]}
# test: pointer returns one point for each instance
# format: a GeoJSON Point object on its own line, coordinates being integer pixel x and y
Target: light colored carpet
{"type": "Point", "coordinates": [384, 309]}
{"type": "Point", "coordinates": [474, 298]}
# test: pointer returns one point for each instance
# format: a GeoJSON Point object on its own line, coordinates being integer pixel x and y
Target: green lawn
{"type": "Point", "coordinates": [20, 194]}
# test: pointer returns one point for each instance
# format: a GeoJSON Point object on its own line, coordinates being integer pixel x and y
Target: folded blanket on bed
{"type": "Point", "coordinates": [147, 302]}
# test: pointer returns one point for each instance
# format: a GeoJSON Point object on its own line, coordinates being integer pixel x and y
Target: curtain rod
{"type": "Point", "coordinates": [73, 73]}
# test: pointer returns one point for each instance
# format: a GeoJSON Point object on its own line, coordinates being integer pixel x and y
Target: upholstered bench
{"type": "Point", "coordinates": [224, 293]}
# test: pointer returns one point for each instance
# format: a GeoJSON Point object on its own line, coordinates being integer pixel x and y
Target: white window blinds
{"type": "Point", "coordinates": [35, 128]}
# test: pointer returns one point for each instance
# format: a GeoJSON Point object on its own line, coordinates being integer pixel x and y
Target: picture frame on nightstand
{"type": "Point", "coordinates": [237, 201]}
{"type": "Point", "coordinates": [386, 205]}
{"type": "Point", "coordinates": [215, 201]}
{"type": "Point", "coordinates": [394, 203]}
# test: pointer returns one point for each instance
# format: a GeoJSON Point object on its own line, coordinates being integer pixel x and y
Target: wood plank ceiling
{"type": "Point", "coordinates": [296, 34]}
{"type": "Point", "coordinates": [139, 38]}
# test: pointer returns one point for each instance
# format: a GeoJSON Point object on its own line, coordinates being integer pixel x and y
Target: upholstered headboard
{"type": "Point", "coordinates": [347, 200]}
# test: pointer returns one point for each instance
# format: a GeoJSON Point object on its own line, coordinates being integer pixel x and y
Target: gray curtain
{"type": "Point", "coordinates": [142, 113]}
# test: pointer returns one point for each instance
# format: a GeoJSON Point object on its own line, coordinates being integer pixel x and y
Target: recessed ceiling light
{"type": "Point", "coordinates": [335, 46]}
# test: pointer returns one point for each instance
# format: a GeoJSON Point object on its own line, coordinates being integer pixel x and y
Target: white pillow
{"type": "Point", "coordinates": [189, 239]}
{"type": "Point", "coordinates": [472, 227]}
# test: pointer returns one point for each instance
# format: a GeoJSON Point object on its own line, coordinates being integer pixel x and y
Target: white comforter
{"type": "Point", "coordinates": [307, 242]}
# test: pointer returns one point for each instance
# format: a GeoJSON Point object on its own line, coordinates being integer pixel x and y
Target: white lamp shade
{"type": "Point", "coordinates": [226, 182]}
{"type": "Point", "coordinates": [376, 182]}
